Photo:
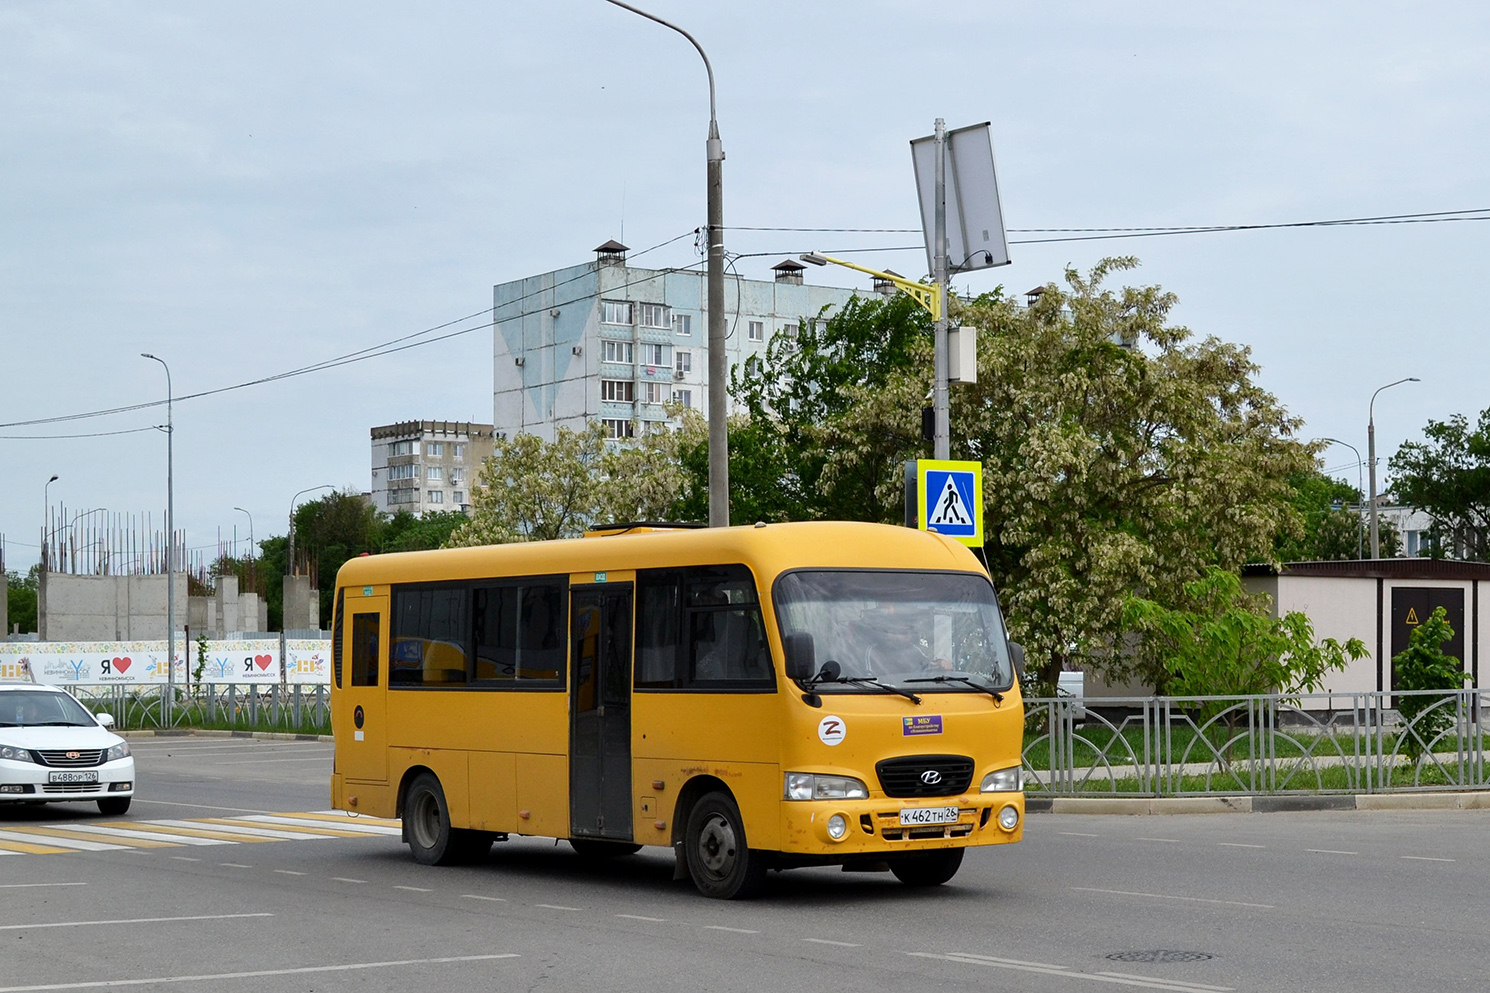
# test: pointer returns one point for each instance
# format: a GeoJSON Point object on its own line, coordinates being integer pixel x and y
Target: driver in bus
{"type": "Point", "coordinates": [896, 648]}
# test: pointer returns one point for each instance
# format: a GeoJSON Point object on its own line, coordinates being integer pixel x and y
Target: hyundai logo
{"type": "Point", "coordinates": [931, 777]}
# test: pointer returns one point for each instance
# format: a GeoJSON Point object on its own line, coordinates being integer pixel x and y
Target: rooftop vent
{"type": "Point", "coordinates": [788, 271]}
{"type": "Point", "coordinates": [611, 253]}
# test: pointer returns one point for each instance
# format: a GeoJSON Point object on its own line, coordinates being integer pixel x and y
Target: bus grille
{"type": "Point", "coordinates": [907, 777]}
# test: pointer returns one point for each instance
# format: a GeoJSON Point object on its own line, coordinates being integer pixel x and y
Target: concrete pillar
{"type": "Point", "coordinates": [4, 606]}
{"type": "Point", "coordinates": [302, 605]}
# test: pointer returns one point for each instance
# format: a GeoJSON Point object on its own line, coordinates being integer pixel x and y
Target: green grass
{"type": "Point", "coordinates": [1302, 780]}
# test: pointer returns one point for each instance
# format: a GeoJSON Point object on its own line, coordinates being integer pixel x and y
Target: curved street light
{"type": "Point", "coordinates": [251, 545]}
{"type": "Point", "coordinates": [170, 540]}
{"type": "Point", "coordinates": [46, 495]}
{"type": "Point", "coordinates": [1360, 525]}
{"type": "Point", "coordinates": [1371, 459]}
{"type": "Point", "coordinates": [718, 362]}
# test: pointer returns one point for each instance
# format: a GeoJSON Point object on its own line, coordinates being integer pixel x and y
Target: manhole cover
{"type": "Point", "coordinates": [1159, 955]}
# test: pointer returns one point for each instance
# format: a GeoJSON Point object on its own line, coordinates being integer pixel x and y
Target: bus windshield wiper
{"type": "Point", "coordinates": [874, 682]}
{"type": "Point", "coordinates": [997, 696]}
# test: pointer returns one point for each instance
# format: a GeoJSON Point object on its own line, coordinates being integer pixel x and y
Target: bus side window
{"type": "Point", "coordinates": [365, 649]}
{"type": "Point", "coordinates": [657, 616]}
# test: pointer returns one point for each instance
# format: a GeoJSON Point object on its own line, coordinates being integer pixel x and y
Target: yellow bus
{"type": "Point", "coordinates": [755, 698]}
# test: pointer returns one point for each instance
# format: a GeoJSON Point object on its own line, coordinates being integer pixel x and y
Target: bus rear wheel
{"type": "Point", "coordinates": [927, 868]}
{"type": "Point", "coordinates": [722, 865]}
{"type": "Point", "coordinates": [427, 827]}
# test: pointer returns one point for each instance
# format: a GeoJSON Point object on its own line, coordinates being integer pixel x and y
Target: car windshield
{"type": "Point", "coordinates": [33, 708]}
{"type": "Point", "coordinates": [905, 628]}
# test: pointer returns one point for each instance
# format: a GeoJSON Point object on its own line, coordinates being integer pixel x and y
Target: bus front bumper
{"type": "Point", "coordinates": [886, 825]}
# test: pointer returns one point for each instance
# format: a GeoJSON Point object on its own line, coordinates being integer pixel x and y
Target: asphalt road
{"type": "Point", "coordinates": [255, 895]}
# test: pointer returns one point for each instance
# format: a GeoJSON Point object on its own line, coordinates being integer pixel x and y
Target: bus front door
{"type": "Point", "coordinates": [600, 712]}
{"type": "Point", "coordinates": [362, 734]}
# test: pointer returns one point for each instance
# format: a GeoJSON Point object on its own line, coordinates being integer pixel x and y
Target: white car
{"type": "Point", "coordinates": [53, 749]}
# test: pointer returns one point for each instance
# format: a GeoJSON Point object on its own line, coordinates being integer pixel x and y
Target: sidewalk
{"type": "Point", "coordinates": [1257, 804]}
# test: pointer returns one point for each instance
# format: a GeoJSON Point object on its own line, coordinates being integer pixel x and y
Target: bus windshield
{"type": "Point", "coordinates": [899, 628]}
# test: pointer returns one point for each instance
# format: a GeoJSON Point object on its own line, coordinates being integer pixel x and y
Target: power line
{"type": "Point", "coordinates": [94, 434]}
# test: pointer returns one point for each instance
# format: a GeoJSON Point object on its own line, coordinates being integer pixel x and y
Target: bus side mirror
{"type": "Point", "coordinates": [801, 661]}
{"type": "Point", "coordinates": [1016, 655]}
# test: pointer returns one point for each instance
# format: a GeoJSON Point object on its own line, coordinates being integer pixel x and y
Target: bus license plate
{"type": "Point", "coordinates": [73, 777]}
{"type": "Point", "coordinates": [916, 816]}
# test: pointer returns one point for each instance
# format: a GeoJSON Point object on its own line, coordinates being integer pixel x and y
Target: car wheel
{"type": "Point", "coordinates": [114, 806]}
{"type": "Point", "coordinates": [721, 863]}
{"type": "Point", "coordinates": [927, 868]}
{"type": "Point", "coordinates": [592, 848]}
{"type": "Point", "coordinates": [427, 827]}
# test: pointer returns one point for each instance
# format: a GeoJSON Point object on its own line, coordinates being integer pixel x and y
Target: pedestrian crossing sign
{"type": "Point", "coordinates": [949, 499]}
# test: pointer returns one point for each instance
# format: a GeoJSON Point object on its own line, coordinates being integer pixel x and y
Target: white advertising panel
{"type": "Point", "coordinates": [103, 663]}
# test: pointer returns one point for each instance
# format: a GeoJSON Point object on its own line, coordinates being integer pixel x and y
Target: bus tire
{"type": "Point", "coordinates": [427, 819]}
{"type": "Point", "coordinates": [723, 867]}
{"type": "Point", "coordinates": [927, 868]}
{"type": "Point", "coordinates": [594, 848]}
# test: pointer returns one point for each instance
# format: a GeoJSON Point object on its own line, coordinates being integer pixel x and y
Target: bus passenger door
{"type": "Point", "coordinates": [600, 712]}
{"type": "Point", "coordinates": [361, 714]}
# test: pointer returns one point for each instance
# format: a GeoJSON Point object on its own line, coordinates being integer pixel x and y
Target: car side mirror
{"type": "Point", "coordinates": [1016, 655]}
{"type": "Point", "coordinates": [104, 720]}
{"type": "Point", "coordinates": [801, 659]}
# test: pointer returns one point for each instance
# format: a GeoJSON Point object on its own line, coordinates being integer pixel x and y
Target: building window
{"type": "Point", "coordinates": [683, 361]}
{"type": "Point", "coordinates": [434, 474]}
{"type": "Point", "coordinates": [615, 311]}
{"type": "Point", "coordinates": [617, 428]}
{"type": "Point", "coordinates": [458, 498]}
{"type": "Point", "coordinates": [436, 496]}
{"type": "Point", "coordinates": [653, 315]}
{"type": "Point", "coordinates": [457, 476]}
{"type": "Point", "coordinates": [617, 351]}
{"type": "Point", "coordinates": [683, 324]}
{"type": "Point", "coordinates": [434, 449]}
{"type": "Point", "coordinates": [401, 448]}
{"type": "Point", "coordinates": [406, 471]}
{"type": "Point", "coordinates": [654, 354]}
{"type": "Point", "coordinates": [403, 496]}
{"type": "Point", "coordinates": [757, 330]}
{"type": "Point", "coordinates": [617, 390]}
{"type": "Point", "coordinates": [653, 392]}
{"type": "Point", "coordinates": [458, 450]}
{"type": "Point", "coordinates": [684, 397]}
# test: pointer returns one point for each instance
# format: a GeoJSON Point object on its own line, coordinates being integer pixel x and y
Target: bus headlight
{"type": "Point", "coordinates": [837, 827]}
{"type": "Point", "coordinates": [1003, 780]}
{"type": "Point", "coordinates": [1009, 818]}
{"type": "Point", "coordinates": [811, 786]}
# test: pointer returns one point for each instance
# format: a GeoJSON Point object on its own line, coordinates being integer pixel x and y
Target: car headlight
{"type": "Point", "coordinates": [1003, 780]}
{"type": "Point", "coordinates": [119, 751]}
{"type": "Point", "coordinates": [15, 754]}
{"type": "Point", "coordinates": [811, 786]}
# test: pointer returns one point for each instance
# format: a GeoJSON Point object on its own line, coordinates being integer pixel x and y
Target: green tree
{"type": "Point", "coordinates": [1448, 475]}
{"type": "Point", "coordinates": [406, 532]}
{"type": "Point", "coordinates": [328, 532]}
{"type": "Point", "coordinates": [1224, 642]}
{"type": "Point", "coordinates": [1424, 665]}
{"type": "Point", "coordinates": [1328, 528]}
{"type": "Point", "coordinates": [530, 489]}
{"type": "Point", "coordinates": [20, 599]}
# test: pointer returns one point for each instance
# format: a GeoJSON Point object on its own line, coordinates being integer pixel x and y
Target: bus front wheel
{"type": "Point", "coordinates": [427, 824]}
{"type": "Point", "coordinates": [927, 868]}
{"type": "Point", "coordinates": [720, 862]}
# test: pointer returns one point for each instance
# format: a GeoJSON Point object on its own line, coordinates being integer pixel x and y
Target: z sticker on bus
{"type": "Point", "coordinates": [831, 729]}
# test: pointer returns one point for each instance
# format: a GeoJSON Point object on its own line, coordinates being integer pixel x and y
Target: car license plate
{"type": "Point", "coordinates": [90, 776]}
{"type": "Point", "coordinates": [916, 816]}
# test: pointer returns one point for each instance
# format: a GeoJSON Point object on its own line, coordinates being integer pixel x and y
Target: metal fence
{"type": "Point", "coordinates": [1269, 744]}
{"type": "Point", "coordinates": [303, 708]}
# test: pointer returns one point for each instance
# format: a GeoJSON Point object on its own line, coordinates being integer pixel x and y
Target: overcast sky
{"type": "Point", "coordinates": [244, 189]}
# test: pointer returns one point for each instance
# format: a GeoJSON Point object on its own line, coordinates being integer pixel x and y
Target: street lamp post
{"type": "Point", "coordinates": [251, 545]}
{"type": "Point", "coordinates": [170, 545]}
{"type": "Point", "coordinates": [290, 556]}
{"type": "Point", "coordinates": [718, 370]}
{"type": "Point", "coordinates": [1371, 457]}
{"type": "Point", "coordinates": [289, 571]}
{"type": "Point", "coordinates": [46, 496]}
{"type": "Point", "coordinates": [1360, 525]}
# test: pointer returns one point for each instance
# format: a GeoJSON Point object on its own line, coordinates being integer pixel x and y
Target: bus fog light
{"type": "Point", "coordinates": [1009, 818]}
{"type": "Point", "coordinates": [837, 827]}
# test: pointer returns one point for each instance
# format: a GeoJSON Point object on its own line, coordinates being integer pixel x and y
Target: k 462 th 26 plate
{"type": "Point", "coordinates": [916, 816]}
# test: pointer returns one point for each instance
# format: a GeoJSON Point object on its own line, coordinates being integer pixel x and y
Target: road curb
{"type": "Point", "coordinates": [199, 733]}
{"type": "Point", "coordinates": [1256, 804]}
